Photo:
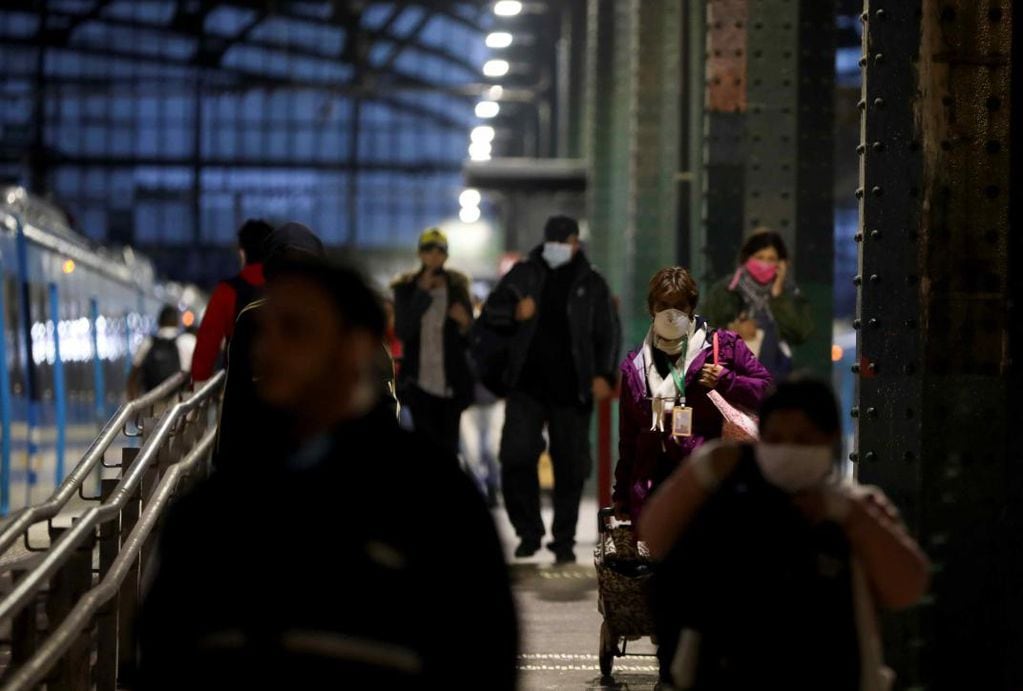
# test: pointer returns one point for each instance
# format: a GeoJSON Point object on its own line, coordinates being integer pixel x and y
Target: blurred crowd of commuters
{"type": "Point", "coordinates": [383, 532]}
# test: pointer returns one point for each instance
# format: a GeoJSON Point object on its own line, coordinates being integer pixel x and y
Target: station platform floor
{"type": "Point", "coordinates": [558, 617]}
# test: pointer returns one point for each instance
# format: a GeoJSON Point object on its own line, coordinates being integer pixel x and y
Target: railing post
{"type": "Point", "coordinates": [24, 628]}
{"type": "Point", "coordinates": [128, 597]}
{"type": "Point", "coordinates": [73, 671]}
{"type": "Point", "coordinates": [106, 619]}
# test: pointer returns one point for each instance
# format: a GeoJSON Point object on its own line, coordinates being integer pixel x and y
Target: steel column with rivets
{"type": "Point", "coordinates": [789, 137]}
{"type": "Point", "coordinates": [607, 143]}
{"type": "Point", "coordinates": [633, 128]}
{"type": "Point", "coordinates": [937, 419]}
{"type": "Point", "coordinates": [654, 153]}
{"type": "Point", "coordinates": [724, 149]}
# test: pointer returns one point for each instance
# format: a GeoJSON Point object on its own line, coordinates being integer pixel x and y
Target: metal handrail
{"type": "Point", "coordinates": [49, 509]}
{"type": "Point", "coordinates": [26, 588]}
{"type": "Point", "coordinates": [36, 668]}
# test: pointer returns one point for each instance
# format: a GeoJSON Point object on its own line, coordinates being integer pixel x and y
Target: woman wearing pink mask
{"type": "Point", "coordinates": [760, 304]}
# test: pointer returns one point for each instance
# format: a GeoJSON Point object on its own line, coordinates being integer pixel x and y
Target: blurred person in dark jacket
{"type": "Point", "coordinates": [562, 325]}
{"type": "Point", "coordinates": [432, 317]}
{"type": "Point", "coordinates": [248, 428]}
{"type": "Point", "coordinates": [334, 567]}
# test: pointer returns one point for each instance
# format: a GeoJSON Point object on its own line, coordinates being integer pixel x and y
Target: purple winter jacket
{"type": "Point", "coordinates": [646, 457]}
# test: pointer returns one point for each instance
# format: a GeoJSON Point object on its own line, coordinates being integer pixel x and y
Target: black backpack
{"type": "Point", "coordinates": [489, 357]}
{"type": "Point", "coordinates": [769, 593]}
{"type": "Point", "coordinates": [161, 362]}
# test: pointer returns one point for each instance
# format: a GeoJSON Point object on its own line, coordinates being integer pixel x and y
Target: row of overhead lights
{"type": "Point", "coordinates": [481, 139]}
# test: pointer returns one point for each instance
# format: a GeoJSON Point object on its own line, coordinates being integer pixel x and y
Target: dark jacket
{"type": "Point", "coordinates": [790, 309]}
{"type": "Point", "coordinates": [359, 577]}
{"type": "Point", "coordinates": [645, 457]}
{"type": "Point", "coordinates": [592, 318]}
{"type": "Point", "coordinates": [410, 304]}
{"type": "Point", "coordinates": [769, 592]}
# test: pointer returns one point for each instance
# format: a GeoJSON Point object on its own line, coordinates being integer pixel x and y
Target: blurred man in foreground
{"type": "Point", "coordinates": [327, 569]}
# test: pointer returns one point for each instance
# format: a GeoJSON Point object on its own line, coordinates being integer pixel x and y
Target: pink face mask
{"type": "Point", "coordinates": [762, 272]}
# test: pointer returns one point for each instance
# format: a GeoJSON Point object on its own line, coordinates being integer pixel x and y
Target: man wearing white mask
{"type": "Point", "coordinates": [665, 407]}
{"type": "Point", "coordinates": [563, 332]}
{"type": "Point", "coordinates": [771, 564]}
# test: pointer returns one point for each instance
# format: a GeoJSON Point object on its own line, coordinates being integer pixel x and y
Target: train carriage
{"type": "Point", "coordinates": [73, 314]}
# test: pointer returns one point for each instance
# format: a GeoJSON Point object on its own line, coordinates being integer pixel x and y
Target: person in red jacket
{"type": "Point", "coordinates": [229, 298]}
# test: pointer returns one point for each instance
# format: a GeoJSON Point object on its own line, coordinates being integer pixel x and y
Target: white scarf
{"type": "Point", "coordinates": [663, 392]}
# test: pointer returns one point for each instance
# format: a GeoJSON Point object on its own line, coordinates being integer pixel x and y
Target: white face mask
{"type": "Point", "coordinates": [557, 253]}
{"type": "Point", "coordinates": [794, 467]}
{"type": "Point", "coordinates": [672, 324]}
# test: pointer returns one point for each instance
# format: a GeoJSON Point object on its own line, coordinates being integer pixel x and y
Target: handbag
{"type": "Point", "coordinates": [740, 424]}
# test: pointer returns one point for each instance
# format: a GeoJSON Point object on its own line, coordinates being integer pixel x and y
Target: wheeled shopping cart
{"type": "Point", "coordinates": [624, 569]}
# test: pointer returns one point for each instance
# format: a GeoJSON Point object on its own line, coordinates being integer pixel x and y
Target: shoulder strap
{"type": "Point", "coordinates": [244, 293]}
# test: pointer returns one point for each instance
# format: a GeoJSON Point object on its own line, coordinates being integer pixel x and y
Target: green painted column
{"type": "Point", "coordinates": [633, 146]}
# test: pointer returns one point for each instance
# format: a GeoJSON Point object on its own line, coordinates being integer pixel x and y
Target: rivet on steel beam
{"type": "Point", "coordinates": [854, 457]}
{"type": "Point", "coordinates": [855, 412]}
{"type": "Point", "coordinates": [864, 17]}
{"type": "Point", "coordinates": [855, 369]}
{"type": "Point", "coordinates": [879, 102]}
{"type": "Point", "coordinates": [879, 58]}
{"type": "Point", "coordinates": [859, 193]}
{"type": "Point", "coordinates": [875, 235]}
{"type": "Point", "coordinates": [873, 322]}
{"type": "Point", "coordinates": [858, 237]}
{"type": "Point", "coordinates": [876, 191]}
{"type": "Point", "coordinates": [863, 60]}
{"type": "Point", "coordinates": [857, 280]}
{"type": "Point", "coordinates": [870, 456]}
{"type": "Point", "coordinates": [861, 104]}
{"type": "Point", "coordinates": [861, 149]}
{"type": "Point", "coordinates": [880, 14]}
{"type": "Point", "coordinates": [878, 146]}
{"type": "Point", "coordinates": [871, 412]}
{"type": "Point", "coordinates": [872, 366]}
{"type": "Point", "coordinates": [856, 323]}
{"type": "Point", "coordinates": [875, 279]}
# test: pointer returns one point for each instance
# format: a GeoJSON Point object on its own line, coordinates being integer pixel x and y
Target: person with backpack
{"type": "Point", "coordinates": [556, 314]}
{"type": "Point", "coordinates": [770, 564]}
{"type": "Point", "coordinates": [162, 355]}
{"type": "Point", "coordinates": [229, 298]}
{"type": "Point", "coordinates": [672, 374]}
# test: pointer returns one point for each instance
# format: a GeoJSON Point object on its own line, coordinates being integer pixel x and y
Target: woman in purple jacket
{"type": "Point", "coordinates": [664, 411]}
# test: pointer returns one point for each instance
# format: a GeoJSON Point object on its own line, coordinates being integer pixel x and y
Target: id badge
{"type": "Point", "coordinates": [682, 421]}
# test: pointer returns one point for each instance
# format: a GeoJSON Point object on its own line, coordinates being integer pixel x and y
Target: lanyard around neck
{"type": "Point", "coordinates": [680, 380]}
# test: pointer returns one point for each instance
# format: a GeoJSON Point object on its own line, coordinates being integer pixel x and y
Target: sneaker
{"type": "Point", "coordinates": [527, 548]}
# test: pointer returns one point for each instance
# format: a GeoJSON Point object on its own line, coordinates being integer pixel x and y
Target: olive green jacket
{"type": "Point", "coordinates": [791, 311]}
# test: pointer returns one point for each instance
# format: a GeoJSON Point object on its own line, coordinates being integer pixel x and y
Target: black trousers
{"type": "Point", "coordinates": [434, 417]}
{"type": "Point", "coordinates": [568, 428]}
